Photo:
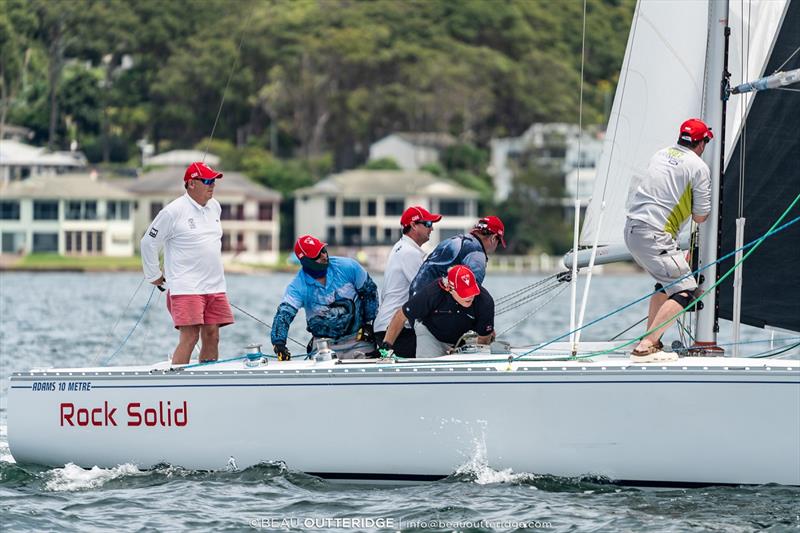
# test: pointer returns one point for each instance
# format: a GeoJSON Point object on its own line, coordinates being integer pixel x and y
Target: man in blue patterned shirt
{"type": "Point", "coordinates": [339, 298]}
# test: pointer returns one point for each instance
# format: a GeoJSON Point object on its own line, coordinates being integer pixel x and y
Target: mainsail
{"type": "Point", "coordinates": [661, 84]}
{"type": "Point", "coordinates": [768, 150]}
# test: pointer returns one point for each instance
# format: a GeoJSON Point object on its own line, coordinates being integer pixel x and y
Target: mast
{"type": "Point", "coordinates": [714, 106]}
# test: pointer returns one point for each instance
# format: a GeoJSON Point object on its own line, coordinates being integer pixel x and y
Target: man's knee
{"type": "Point", "coordinates": [190, 334]}
{"type": "Point", "coordinates": [683, 298]}
{"type": "Point", "coordinates": [210, 334]}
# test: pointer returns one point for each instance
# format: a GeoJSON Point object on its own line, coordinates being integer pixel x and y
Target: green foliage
{"type": "Point", "coordinates": [534, 216]}
{"type": "Point", "coordinates": [384, 163]}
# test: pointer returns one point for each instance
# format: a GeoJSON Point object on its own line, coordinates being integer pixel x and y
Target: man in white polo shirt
{"type": "Point", "coordinates": [189, 231]}
{"type": "Point", "coordinates": [404, 262]}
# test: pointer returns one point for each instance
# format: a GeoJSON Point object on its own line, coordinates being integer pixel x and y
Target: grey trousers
{"type": "Point", "coordinates": [427, 344]}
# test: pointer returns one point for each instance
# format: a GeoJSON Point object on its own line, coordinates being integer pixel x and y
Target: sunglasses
{"type": "Point", "coordinates": [323, 251]}
{"type": "Point", "coordinates": [426, 223]}
{"type": "Point", "coordinates": [209, 181]}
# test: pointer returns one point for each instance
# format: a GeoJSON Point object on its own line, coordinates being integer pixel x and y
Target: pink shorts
{"type": "Point", "coordinates": [199, 309]}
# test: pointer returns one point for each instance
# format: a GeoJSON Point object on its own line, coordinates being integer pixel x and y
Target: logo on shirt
{"type": "Point", "coordinates": [153, 232]}
{"type": "Point", "coordinates": [191, 224]}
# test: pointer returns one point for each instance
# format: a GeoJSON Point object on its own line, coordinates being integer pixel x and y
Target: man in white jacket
{"type": "Point", "coordinates": [190, 232]}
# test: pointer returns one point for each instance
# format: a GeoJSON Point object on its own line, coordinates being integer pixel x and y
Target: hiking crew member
{"type": "Point", "coordinates": [471, 249]}
{"type": "Point", "coordinates": [677, 186]}
{"type": "Point", "coordinates": [189, 231]}
{"type": "Point", "coordinates": [443, 311]}
{"type": "Point", "coordinates": [404, 262]}
{"type": "Point", "coordinates": [340, 300]}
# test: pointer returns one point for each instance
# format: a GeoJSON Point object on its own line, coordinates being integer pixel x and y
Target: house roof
{"type": "Point", "coordinates": [430, 139]}
{"type": "Point", "coordinates": [65, 186]}
{"type": "Point", "coordinates": [181, 158]}
{"type": "Point", "coordinates": [169, 181]}
{"type": "Point", "coordinates": [15, 153]}
{"type": "Point", "coordinates": [363, 182]}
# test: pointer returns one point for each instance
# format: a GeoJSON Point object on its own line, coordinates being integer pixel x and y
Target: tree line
{"type": "Point", "coordinates": [310, 84]}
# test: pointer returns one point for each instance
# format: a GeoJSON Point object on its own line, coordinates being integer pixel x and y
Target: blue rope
{"type": "Point", "coordinates": [128, 336]}
{"type": "Point", "coordinates": [724, 257]}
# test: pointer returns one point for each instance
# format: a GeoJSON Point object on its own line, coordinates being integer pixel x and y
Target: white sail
{"type": "Point", "coordinates": [661, 84]}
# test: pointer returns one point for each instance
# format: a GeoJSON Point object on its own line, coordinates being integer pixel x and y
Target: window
{"type": "Point", "coordinates": [13, 243]}
{"type": "Point", "coordinates": [351, 235]}
{"type": "Point", "coordinates": [453, 208]}
{"type": "Point", "coordinates": [331, 234]}
{"type": "Point", "coordinates": [387, 235]}
{"type": "Point", "coordinates": [232, 212]}
{"type": "Point", "coordinates": [372, 208]}
{"type": "Point", "coordinates": [352, 208]}
{"type": "Point", "coordinates": [240, 247]}
{"type": "Point", "coordinates": [394, 207]}
{"type": "Point", "coordinates": [45, 210]}
{"type": "Point", "coordinates": [265, 211]}
{"type": "Point", "coordinates": [81, 210]}
{"type": "Point", "coordinates": [9, 210]}
{"type": "Point", "coordinates": [83, 242]}
{"type": "Point", "coordinates": [373, 234]}
{"type": "Point", "coordinates": [45, 242]}
{"type": "Point", "coordinates": [155, 208]}
{"type": "Point", "coordinates": [226, 241]}
{"type": "Point", "coordinates": [264, 242]}
{"type": "Point", "coordinates": [445, 234]}
{"type": "Point", "coordinates": [118, 210]}
{"type": "Point", "coordinates": [331, 207]}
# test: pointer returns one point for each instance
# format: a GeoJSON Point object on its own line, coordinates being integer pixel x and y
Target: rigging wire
{"type": "Point", "coordinates": [266, 324]}
{"type": "Point", "coordinates": [128, 336]}
{"type": "Point", "coordinates": [544, 304]}
{"type": "Point", "coordinates": [96, 357]}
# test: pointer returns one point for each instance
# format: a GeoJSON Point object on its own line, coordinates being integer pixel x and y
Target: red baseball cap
{"type": "Point", "coordinates": [416, 213]}
{"type": "Point", "coordinates": [308, 246]}
{"type": "Point", "coordinates": [200, 171]}
{"type": "Point", "coordinates": [695, 129]}
{"type": "Point", "coordinates": [494, 225]}
{"type": "Point", "coordinates": [462, 280]}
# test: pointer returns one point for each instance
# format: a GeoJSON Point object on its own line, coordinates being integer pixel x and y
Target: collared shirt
{"type": "Point", "coordinates": [459, 250]}
{"type": "Point", "coordinates": [404, 262]}
{"type": "Point", "coordinates": [339, 308]}
{"type": "Point", "coordinates": [677, 185]}
{"type": "Point", "coordinates": [445, 318]}
{"type": "Point", "coordinates": [191, 236]}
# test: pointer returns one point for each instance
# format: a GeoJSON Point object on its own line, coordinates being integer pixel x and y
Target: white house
{"type": "Point", "coordinates": [74, 214]}
{"type": "Point", "coordinates": [181, 158]}
{"type": "Point", "coordinates": [250, 212]}
{"type": "Point", "coordinates": [411, 151]}
{"type": "Point", "coordinates": [562, 147]}
{"type": "Point", "coordinates": [19, 161]}
{"type": "Point", "coordinates": [363, 207]}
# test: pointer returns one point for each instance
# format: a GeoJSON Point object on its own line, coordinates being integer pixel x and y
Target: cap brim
{"type": "Point", "coordinates": [468, 292]}
{"type": "Point", "coordinates": [434, 218]}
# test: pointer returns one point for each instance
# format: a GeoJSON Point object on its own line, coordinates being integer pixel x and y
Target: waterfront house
{"type": "Point", "coordinates": [20, 161]}
{"type": "Point", "coordinates": [250, 211]}
{"type": "Point", "coordinates": [363, 207]}
{"type": "Point", "coordinates": [70, 214]}
{"type": "Point", "coordinates": [411, 151]}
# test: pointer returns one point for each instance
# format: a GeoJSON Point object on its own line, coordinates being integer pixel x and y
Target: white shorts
{"type": "Point", "coordinates": [658, 253]}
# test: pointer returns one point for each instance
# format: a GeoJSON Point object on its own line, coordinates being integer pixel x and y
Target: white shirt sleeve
{"type": "Point", "coordinates": [152, 242]}
{"type": "Point", "coordinates": [701, 192]}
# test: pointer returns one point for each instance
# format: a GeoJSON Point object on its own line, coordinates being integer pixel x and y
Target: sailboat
{"type": "Point", "coordinates": [553, 409]}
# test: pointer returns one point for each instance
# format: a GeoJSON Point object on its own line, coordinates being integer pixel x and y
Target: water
{"type": "Point", "coordinates": [65, 320]}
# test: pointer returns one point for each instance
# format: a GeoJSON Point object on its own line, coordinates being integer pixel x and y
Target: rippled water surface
{"type": "Point", "coordinates": [82, 319]}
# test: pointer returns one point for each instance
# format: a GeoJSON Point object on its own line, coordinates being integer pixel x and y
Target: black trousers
{"type": "Point", "coordinates": [405, 345]}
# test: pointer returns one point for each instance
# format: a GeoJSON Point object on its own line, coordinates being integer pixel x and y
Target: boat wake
{"type": "Point", "coordinates": [73, 478]}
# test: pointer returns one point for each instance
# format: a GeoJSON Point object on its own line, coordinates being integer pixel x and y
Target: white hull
{"type": "Point", "coordinates": [696, 420]}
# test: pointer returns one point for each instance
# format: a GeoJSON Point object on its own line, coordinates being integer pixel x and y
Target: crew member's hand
{"type": "Point", "coordinates": [160, 281]}
{"type": "Point", "coordinates": [386, 349]}
{"type": "Point", "coordinates": [367, 333]}
{"type": "Point", "coordinates": [282, 352]}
